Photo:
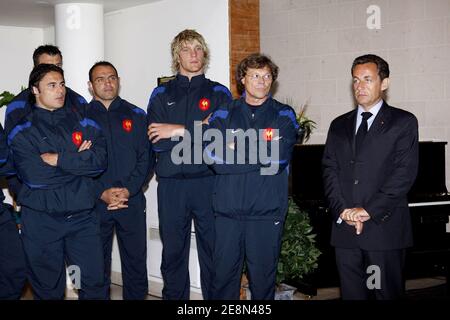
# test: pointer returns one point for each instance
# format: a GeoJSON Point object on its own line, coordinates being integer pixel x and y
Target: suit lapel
{"type": "Point", "coordinates": [381, 122]}
{"type": "Point", "coordinates": [350, 126]}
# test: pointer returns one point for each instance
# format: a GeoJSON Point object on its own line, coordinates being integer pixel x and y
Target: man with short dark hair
{"type": "Point", "coordinates": [16, 111]}
{"type": "Point", "coordinates": [48, 54]}
{"type": "Point", "coordinates": [20, 106]}
{"type": "Point", "coordinates": [120, 198]}
{"type": "Point", "coordinates": [369, 164]}
{"type": "Point", "coordinates": [57, 151]}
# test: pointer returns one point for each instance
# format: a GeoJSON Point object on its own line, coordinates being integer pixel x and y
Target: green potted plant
{"type": "Point", "coordinates": [306, 124]}
{"type": "Point", "coordinates": [299, 254]}
{"type": "Point", "coordinates": [5, 98]}
{"type": "Point", "coordinates": [306, 127]}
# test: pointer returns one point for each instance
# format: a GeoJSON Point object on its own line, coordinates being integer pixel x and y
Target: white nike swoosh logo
{"type": "Point", "coordinates": [277, 138]}
{"type": "Point", "coordinates": [277, 223]}
{"type": "Point", "coordinates": [235, 130]}
{"type": "Point", "coordinates": [170, 103]}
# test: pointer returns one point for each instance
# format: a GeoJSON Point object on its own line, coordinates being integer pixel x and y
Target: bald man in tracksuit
{"type": "Point", "coordinates": [129, 154]}
{"type": "Point", "coordinates": [56, 152]}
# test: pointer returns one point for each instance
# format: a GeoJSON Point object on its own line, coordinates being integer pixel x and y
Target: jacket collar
{"type": "Point", "coordinates": [49, 116]}
{"type": "Point", "coordinates": [257, 110]}
{"type": "Point", "coordinates": [380, 123]}
{"type": "Point", "coordinates": [101, 107]}
{"type": "Point", "coordinates": [196, 81]}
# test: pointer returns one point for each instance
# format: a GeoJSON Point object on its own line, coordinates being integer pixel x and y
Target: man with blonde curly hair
{"type": "Point", "coordinates": [184, 190]}
{"type": "Point", "coordinates": [179, 43]}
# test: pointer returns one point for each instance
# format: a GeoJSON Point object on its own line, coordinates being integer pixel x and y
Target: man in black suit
{"type": "Point", "coordinates": [369, 164]}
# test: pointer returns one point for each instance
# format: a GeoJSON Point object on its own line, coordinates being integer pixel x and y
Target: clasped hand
{"type": "Point", "coordinates": [355, 217]}
{"type": "Point", "coordinates": [116, 198]}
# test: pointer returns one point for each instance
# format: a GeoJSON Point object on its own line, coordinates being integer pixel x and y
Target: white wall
{"type": "Point", "coordinates": [137, 42]}
{"type": "Point", "coordinates": [49, 36]}
{"type": "Point", "coordinates": [16, 62]}
{"type": "Point", "coordinates": [315, 42]}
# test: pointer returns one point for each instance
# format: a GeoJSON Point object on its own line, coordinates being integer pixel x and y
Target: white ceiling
{"type": "Point", "coordinates": [40, 13]}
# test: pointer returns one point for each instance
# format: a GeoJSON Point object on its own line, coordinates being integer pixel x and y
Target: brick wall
{"type": "Point", "coordinates": [244, 34]}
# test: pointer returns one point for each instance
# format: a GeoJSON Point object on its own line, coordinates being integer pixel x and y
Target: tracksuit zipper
{"type": "Point", "coordinates": [186, 109]}
{"type": "Point", "coordinates": [110, 135]}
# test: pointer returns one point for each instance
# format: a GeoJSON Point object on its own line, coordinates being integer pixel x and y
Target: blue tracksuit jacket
{"type": "Point", "coordinates": [4, 213]}
{"type": "Point", "coordinates": [19, 108]}
{"type": "Point", "coordinates": [69, 186]}
{"type": "Point", "coordinates": [129, 151]}
{"type": "Point", "coordinates": [12, 259]}
{"type": "Point", "coordinates": [241, 191]}
{"type": "Point", "coordinates": [181, 101]}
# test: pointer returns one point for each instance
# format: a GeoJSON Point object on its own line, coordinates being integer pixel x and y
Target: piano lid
{"type": "Point", "coordinates": [306, 169]}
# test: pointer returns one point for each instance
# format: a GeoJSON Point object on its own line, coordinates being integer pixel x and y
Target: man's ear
{"type": "Point", "coordinates": [35, 90]}
{"type": "Point", "coordinates": [91, 90]}
{"type": "Point", "coordinates": [243, 81]}
{"type": "Point", "coordinates": [385, 84]}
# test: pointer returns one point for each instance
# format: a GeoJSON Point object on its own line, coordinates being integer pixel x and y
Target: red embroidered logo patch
{"type": "Point", "coordinates": [268, 134]}
{"type": "Point", "coordinates": [127, 125]}
{"type": "Point", "coordinates": [77, 138]}
{"type": "Point", "coordinates": [204, 104]}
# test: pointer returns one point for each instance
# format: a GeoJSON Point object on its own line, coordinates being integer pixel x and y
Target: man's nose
{"type": "Point", "coordinates": [260, 79]}
{"type": "Point", "coordinates": [360, 85]}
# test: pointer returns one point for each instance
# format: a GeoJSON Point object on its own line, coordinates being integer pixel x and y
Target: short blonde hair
{"type": "Point", "coordinates": [184, 36]}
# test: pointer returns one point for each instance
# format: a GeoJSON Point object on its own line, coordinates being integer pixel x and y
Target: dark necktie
{"type": "Point", "coordinates": [362, 130]}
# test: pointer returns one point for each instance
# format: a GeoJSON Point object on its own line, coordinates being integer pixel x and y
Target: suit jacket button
{"type": "Point", "coordinates": [356, 181]}
{"type": "Point", "coordinates": [352, 161]}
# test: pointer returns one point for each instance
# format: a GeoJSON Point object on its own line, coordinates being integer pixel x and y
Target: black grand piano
{"type": "Point", "coordinates": [429, 203]}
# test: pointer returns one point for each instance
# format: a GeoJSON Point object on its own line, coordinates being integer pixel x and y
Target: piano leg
{"type": "Point", "coordinates": [448, 274]}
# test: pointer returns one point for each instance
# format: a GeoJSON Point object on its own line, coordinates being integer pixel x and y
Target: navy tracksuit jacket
{"type": "Point", "coordinates": [250, 206]}
{"type": "Point", "coordinates": [57, 202]}
{"type": "Point", "coordinates": [12, 258]}
{"type": "Point", "coordinates": [125, 129]}
{"type": "Point", "coordinates": [184, 190]}
{"type": "Point", "coordinates": [18, 108]}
